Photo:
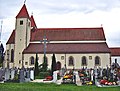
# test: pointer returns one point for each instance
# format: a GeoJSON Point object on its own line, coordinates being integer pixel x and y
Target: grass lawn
{"type": "Point", "coordinates": [51, 87]}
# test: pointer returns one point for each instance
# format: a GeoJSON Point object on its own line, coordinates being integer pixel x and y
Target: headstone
{"type": "Point", "coordinates": [7, 74]}
{"type": "Point", "coordinates": [2, 74]}
{"type": "Point", "coordinates": [32, 75]}
{"type": "Point", "coordinates": [78, 81]}
{"type": "Point", "coordinates": [92, 74]}
{"type": "Point", "coordinates": [12, 73]}
{"type": "Point", "coordinates": [95, 69]}
{"type": "Point", "coordinates": [55, 76]}
{"type": "Point", "coordinates": [101, 71]}
{"type": "Point", "coordinates": [62, 71]}
{"type": "Point", "coordinates": [22, 77]}
{"type": "Point", "coordinates": [27, 78]}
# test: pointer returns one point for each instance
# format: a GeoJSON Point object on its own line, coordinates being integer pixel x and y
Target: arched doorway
{"type": "Point", "coordinates": [58, 64]}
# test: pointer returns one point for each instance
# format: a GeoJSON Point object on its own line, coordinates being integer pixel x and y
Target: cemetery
{"type": "Point", "coordinates": [97, 76]}
{"type": "Point", "coordinates": [57, 80]}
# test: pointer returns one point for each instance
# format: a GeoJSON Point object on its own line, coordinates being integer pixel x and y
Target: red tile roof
{"type": "Point", "coordinates": [23, 13]}
{"type": "Point", "coordinates": [68, 48]}
{"type": "Point", "coordinates": [69, 34]}
{"type": "Point", "coordinates": [11, 39]}
{"type": "Point", "coordinates": [115, 51]}
{"type": "Point", "coordinates": [33, 24]}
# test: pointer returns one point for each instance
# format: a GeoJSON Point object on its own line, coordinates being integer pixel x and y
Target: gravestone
{"type": "Point", "coordinates": [27, 78]}
{"type": "Point", "coordinates": [55, 76]}
{"type": "Point", "coordinates": [78, 81]}
{"type": "Point", "coordinates": [7, 74]}
{"type": "Point", "coordinates": [2, 74]}
{"type": "Point", "coordinates": [62, 71]}
{"type": "Point", "coordinates": [32, 74]}
{"type": "Point", "coordinates": [12, 73]}
{"type": "Point", "coordinates": [92, 75]}
{"type": "Point", "coordinates": [22, 77]}
{"type": "Point", "coordinates": [96, 74]}
{"type": "Point", "coordinates": [101, 71]}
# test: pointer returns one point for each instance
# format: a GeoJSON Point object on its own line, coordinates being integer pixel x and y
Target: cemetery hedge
{"type": "Point", "coordinates": [51, 87]}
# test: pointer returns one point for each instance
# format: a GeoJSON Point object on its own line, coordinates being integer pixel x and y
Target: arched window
{"type": "Point", "coordinates": [97, 60]}
{"type": "Point", "coordinates": [84, 61]}
{"type": "Point", "coordinates": [32, 60]}
{"type": "Point", "coordinates": [58, 64]}
{"type": "Point", "coordinates": [71, 61]}
{"type": "Point", "coordinates": [12, 55]}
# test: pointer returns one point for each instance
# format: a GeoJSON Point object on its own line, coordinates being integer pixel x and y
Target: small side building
{"type": "Point", "coordinates": [115, 55]}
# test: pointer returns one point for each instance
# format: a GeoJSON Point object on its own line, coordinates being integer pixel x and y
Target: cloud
{"type": "Point", "coordinates": [66, 6]}
{"type": "Point", "coordinates": [66, 13]}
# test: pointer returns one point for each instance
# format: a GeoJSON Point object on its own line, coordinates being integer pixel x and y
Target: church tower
{"type": "Point", "coordinates": [22, 35]}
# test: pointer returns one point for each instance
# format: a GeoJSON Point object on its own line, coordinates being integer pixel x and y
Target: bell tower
{"type": "Point", "coordinates": [22, 35]}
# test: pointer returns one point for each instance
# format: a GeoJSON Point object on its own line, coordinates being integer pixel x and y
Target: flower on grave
{"type": "Point", "coordinates": [89, 83]}
{"type": "Point", "coordinates": [114, 83]}
{"type": "Point", "coordinates": [109, 83]}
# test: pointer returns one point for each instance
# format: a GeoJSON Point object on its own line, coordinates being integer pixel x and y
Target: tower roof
{"type": "Point", "coordinates": [33, 24]}
{"type": "Point", "coordinates": [23, 13]}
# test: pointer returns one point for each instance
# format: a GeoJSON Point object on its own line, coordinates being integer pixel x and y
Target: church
{"type": "Point", "coordinates": [73, 47]}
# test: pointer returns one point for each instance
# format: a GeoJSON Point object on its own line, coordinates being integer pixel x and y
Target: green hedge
{"type": "Point", "coordinates": [42, 75]}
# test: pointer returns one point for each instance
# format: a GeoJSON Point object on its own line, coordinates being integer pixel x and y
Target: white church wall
{"type": "Point", "coordinates": [7, 61]}
{"type": "Point", "coordinates": [63, 58]}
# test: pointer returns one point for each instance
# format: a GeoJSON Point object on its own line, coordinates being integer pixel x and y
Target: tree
{"type": "Point", "coordinates": [43, 67]}
{"type": "Point", "coordinates": [1, 54]}
{"type": "Point", "coordinates": [53, 66]}
{"type": "Point", "coordinates": [36, 71]}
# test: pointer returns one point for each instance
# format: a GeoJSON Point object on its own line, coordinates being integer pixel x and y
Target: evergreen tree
{"type": "Point", "coordinates": [1, 54]}
{"type": "Point", "coordinates": [44, 65]}
{"type": "Point", "coordinates": [53, 66]}
{"type": "Point", "coordinates": [36, 71]}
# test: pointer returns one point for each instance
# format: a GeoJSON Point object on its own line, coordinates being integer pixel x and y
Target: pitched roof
{"type": "Point", "coordinates": [23, 13]}
{"type": "Point", "coordinates": [68, 48]}
{"type": "Point", "coordinates": [11, 39]}
{"type": "Point", "coordinates": [33, 24]}
{"type": "Point", "coordinates": [115, 51]}
{"type": "Point", "coordinates": [69, 34]}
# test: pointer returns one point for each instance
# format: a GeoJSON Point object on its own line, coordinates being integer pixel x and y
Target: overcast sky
{"type": "Point", "coordinates": [66, 14]}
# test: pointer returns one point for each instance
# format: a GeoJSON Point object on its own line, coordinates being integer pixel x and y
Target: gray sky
{"type": "Point", "coordinates": [66, 14]}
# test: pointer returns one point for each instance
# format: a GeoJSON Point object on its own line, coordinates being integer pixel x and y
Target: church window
{"type": "Point", "coordinates": [62, 57]}
{"type": "Point", "coordinates": [97, 60]}
{"type": "Point", "coordinates": [19, 61]}
{"type": "Point", "coordinates": [84, 61]}
{"type": "Point", "coordinates": [21, 22]}
{"type": "Point", "coordinates": [8, 55]}
{"type": "Point", "coordinates": [31, 60]}
{"type": "Point", "coordinates": [26, 63]}
{"type": "Point", "coordinates": [71, 61]}
{"type": "Point", "coordinates": [90, 57]}
{"type": "Point", "coordinates": [12, 55]}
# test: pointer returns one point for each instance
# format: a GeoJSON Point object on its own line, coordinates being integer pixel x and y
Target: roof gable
{"type": "Point", "coordinates": [11, 39]}
{"type": "Point", "coordinates": [23, 13]}
{"type": "Point", "coordinates": [69, 34]}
